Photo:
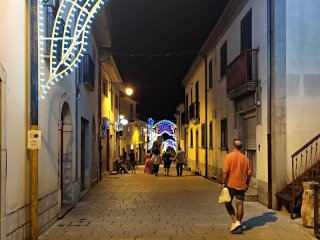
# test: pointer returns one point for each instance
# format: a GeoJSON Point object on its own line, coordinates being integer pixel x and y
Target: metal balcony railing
{"type": "Point", "coordinates": [242, 74]}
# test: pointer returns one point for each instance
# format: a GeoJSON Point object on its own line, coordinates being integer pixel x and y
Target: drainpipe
{"type": "Point", "coordinates": [99, 116]}
{"type": "Point", "coordinates": [205, 57]}
{"type": "Point", "coordinates": [34, 114]}
{"type": "Point", "coordinates": [77, 86]}
{"type": "Point", "coordinates": [269, 108]}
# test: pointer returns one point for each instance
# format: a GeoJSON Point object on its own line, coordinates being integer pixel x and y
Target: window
{"type": "Point", "coordinates": [186, 103]}
{"type": "Point", "coordinates": [203, 135]}
{"type": "Point", "coordinates": [87, 72]}
{"type": "Point", "coordinates": [105, 87]}
{"type": "Point", "coordinates": [223, 59]}
{"type": "Point", "coordinates": [246, 31]}
{"type": "Point", "coordinates": [116, 101]}
{"type": "Point", "coordinates": [246, 40]}
{"type": "Point", "coordinates": [197, 91]}
{"type": "Point", "coordinates": [111, 99]}
{"type": "Point", "coordinates": [210, 74]}
{"type": "Point", "coordinates": [224, 134]}
{"type": "Point", "coordinates": [191, 138]}
{"type": "Point", "coordinates": [210, 135]}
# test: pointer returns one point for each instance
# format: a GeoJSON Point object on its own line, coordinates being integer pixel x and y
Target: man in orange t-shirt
{"type": "Point", "coordinates": [236, 176]}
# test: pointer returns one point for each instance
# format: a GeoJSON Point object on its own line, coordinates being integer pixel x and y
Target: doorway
{"type": "Point", "coordinates": [197, 149]}
{"type": "Point", "coordinates": [94, 165]}
{"type": "Point", "coordinates": [186, 137]}
{"type": "Point", "coordinates": [66, 155]}
{"type": "Point", "coordinates": [249, 124]}
{"type": "Point", "coordinates": [84, 153]}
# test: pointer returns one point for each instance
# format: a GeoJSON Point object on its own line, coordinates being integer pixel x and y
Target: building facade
{"type": "Point", "coordinates": [133, 136]}
{"type": "Point", "coordinates": [69, 121]}
{"type": "Point", "coordinates": [255, 79]}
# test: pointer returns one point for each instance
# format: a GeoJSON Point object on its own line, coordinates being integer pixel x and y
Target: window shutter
{"type": "Point", "coordinates": [250, 132]}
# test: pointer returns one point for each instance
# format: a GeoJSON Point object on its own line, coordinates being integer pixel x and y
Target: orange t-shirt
{"type": "Point", "coordinates": [237, 165]}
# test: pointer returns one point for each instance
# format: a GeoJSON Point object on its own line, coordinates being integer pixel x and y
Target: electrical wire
{"type": "Point", "coordinates": [169, 54]}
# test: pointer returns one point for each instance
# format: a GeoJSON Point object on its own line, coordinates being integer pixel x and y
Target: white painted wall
{"type": "Point", "coordinates": [225, 108]}
{"type": "Point", "coordinates": [13, 59]}
{"type": "Point", "coordinates": [88, 109]}
{"type": "Point", "coordinates": [302, 73]}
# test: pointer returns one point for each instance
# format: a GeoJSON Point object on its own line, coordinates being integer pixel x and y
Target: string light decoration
{"type": "Point", "coordinates": [68, 41]}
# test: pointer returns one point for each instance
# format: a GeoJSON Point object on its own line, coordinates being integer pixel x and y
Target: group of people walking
{"type": "Point", "coordinates": [154, 159]}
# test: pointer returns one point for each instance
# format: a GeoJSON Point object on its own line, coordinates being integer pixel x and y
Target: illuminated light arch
{"type": "Point", "coordinates": [68, 41]}
{"type": "Point", "coordinates": [169, 143]}
{"type": "Point", "coordinates": [160, 128]}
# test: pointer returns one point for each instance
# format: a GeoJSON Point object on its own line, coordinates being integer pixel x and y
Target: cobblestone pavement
{"type": "Point", "coordinates": [141, 207]}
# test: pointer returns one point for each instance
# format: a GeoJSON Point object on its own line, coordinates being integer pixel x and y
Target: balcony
{"type": "Point", "coordinates": [194, 112]}
{"type": "Point", "coordinates": [87, 72]}
{"type": "Point", "coordinates": [242, 74]}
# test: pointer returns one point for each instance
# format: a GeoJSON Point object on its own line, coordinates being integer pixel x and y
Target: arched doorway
{"type": "Point", "coordinates": [66, 155]}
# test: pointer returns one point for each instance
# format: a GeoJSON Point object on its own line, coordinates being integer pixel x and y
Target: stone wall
{"type": "Point", "coordinates": [17, 223]}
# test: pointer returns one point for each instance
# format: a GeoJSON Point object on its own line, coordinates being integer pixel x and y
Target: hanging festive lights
{"type": "Point", "coordinates": [68, 40]}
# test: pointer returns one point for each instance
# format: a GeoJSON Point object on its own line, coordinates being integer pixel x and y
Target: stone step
{"type": "Point", "coordinates": [251, 195]}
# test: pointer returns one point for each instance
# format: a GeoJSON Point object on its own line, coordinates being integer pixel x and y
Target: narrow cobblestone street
{"type": "Point", "coordinates": [138, 206]}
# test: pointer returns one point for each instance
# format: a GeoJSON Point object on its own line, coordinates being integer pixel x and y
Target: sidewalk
{"type": "Point", "coordinates": [141, 207]}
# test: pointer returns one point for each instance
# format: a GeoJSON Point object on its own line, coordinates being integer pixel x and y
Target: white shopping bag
{"type": "Point", "coordinates": [224, 196]}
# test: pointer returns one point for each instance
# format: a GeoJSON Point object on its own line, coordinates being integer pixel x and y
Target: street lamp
{"type": "Point", "coordinates": [124, 121]}
{"type": "Point", "coordinates": [129, 91]}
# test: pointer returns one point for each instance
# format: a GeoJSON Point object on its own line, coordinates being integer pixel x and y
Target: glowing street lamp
{"type": "Point", "coordinates": [124, 121]}
{"type": "Point", "coordinates": [129, 91]}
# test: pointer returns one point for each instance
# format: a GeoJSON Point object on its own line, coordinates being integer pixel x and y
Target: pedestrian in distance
{"type": "Point", "coordinates": [124, 154]}
{"type": "Point", "coordinates": [166, 158]}
{"type": "Point", "coordinates": [132, 161]}
{"type": "Point", "coordinates": [156, 161]}
{"type": "Point", "coordinates": [236, 177]}
{"type": "Point", "coordinates": [157, 144]}
{"type": "Point", "coordinates": [147, 162]}
{"type": "Point", "coordinates": [180, 158]}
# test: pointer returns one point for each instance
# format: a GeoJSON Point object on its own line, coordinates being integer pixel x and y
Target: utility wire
{"type": "Point", "coordinates": [169, 54]}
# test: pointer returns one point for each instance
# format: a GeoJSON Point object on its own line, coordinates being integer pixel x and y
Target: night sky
{"type": "Point", "coordinates": [154, 42]}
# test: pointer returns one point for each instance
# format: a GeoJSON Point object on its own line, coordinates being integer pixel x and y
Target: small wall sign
{"type": "Point", "coordinates": [34, 139]}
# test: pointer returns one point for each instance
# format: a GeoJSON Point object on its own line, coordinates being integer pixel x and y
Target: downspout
{"type": "Point", "coordinates": [77, 86]}
{"type": "Point", "coordinates": [99, 121]}
{"type": "Point", "coordinates": [204, 55]}
{"type": "Point", "coordinates": [206, 112]}
{"type": "Point", "coordinates": [269, 107]}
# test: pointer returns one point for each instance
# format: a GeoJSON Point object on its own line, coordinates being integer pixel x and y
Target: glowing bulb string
{"type": "Point", "coordinates": [68, 56]}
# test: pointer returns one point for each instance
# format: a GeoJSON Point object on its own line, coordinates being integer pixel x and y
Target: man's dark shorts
{"type": "Point", "coordinates": [167, 164]}
{"type": "Point", "coordinates": [239, 194]}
